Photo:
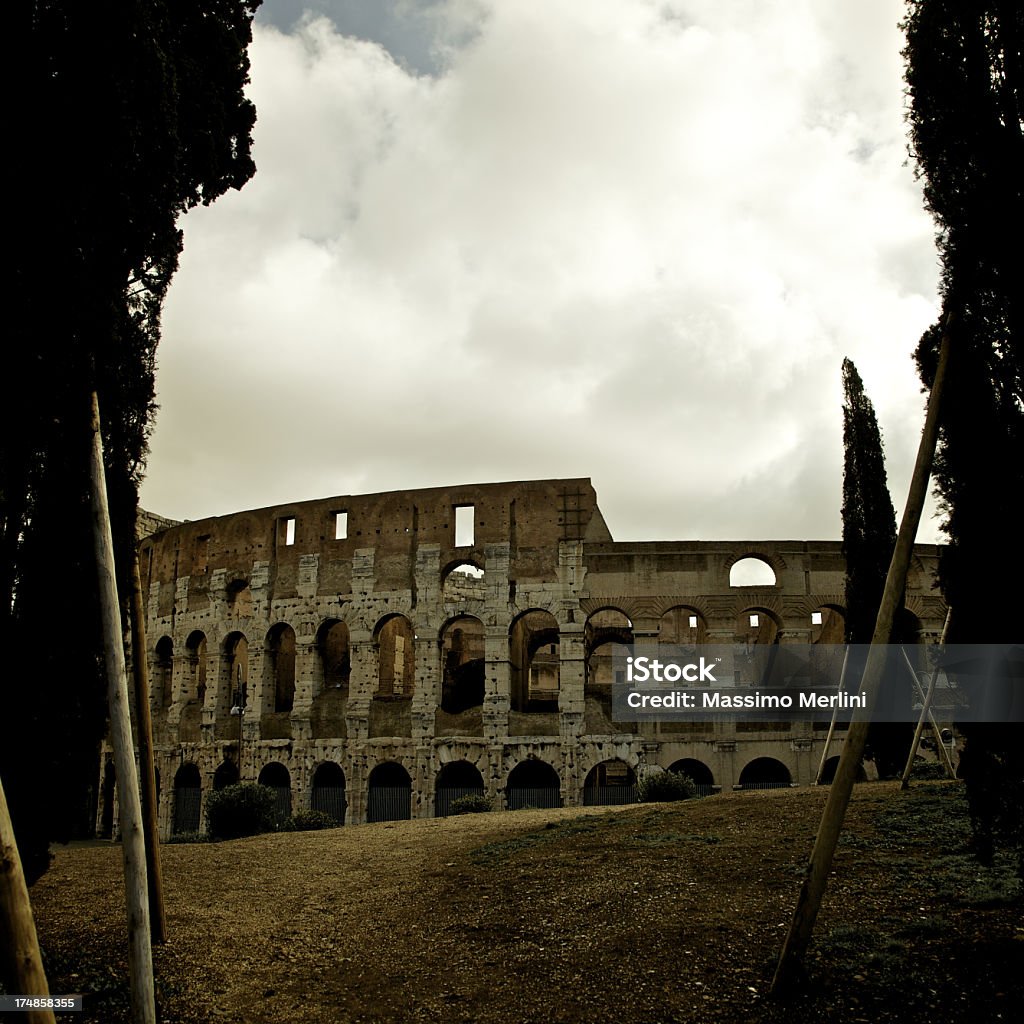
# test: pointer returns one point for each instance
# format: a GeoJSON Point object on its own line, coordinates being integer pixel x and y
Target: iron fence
{"type": "Point", "coordinates": [330, 800]}
{"type": "Point", "coordinates": [447, 795]}
{"type": "Point", "coordinates": [389, 803]}
{"type": "Point", "coordinates": [533, 796]}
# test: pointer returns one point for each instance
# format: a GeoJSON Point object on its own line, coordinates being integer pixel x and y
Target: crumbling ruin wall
{"type": "Point", "coordinates": [381, 673]}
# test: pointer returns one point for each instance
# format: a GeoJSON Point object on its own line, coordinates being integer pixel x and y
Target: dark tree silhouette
{"type": "Point", "coordinates": [869, 536]}
{"type": "Point", "coordinates": [869, 519]}
{"type": "Point", "coordinates": [965, 74]}
{"type": "Point", "coordinates": [128, 113]}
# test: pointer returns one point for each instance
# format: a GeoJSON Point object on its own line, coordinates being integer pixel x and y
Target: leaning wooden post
{"type": "Point", "coordinates": [140, 955]}
{"type": "Point", "coordinates": [813, 888]}
{"type": "Point", "coordinates": [22, 966]}
{"type": "Point", "coordinates": [150, 826]}
{"type": "Point", "coordinates": [832, 723]}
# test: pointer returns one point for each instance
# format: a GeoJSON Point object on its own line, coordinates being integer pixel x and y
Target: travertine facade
{"type": "Point", "coordinates": [392, 651]}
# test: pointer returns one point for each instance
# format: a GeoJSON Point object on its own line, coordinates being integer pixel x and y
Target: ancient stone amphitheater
{"type": "Point", "coordinates": [377, 656]}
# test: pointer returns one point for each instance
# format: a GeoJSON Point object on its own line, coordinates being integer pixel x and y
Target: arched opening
{"type": "Point", "coordinates": [533, 783]}
{"type": "Point", "coordinates": [335, 659]}
{"type": "Point", "coordinates": [389, 793]}
{"type": "Point", "coordinates": [828, 625]}
{"type": "Point", "coordinates": [188, 798]}
{"type": "Point", "coordinates": [603, 629]}
{"type": "Point", "coordinates": [682, 626]}
{"type": "Point", "coordinates": [328, 792]}
{"type": "Point", "coordinates": [610, 783]}
{"type": "Point", "coordinates": [765, 773]}
{"type": "Point", "coordinates": [757, 626]}
{"type": "Point", "coordinates": [236, 662]}
{"type": "Point", "coordinates": [281, 665]}
{"type": "Point", "coordinates": [463, 581]}
{"type": "Point", "coordinates": [698, 771]}
{"type": "Point", "coordinates": [163, 672]}
{"type": "Point", "coordinates": [195, 652]}
{"type": "Point", "coordinates": [752, 571]}
{"type": "Point", "coordinates": [276, 776]}
{"type": "Point", "coordinates": [534, 661]}
{"type": "Point", "coordinates": [462, 664]}
{"type": "Point", "coordinates": [225, 775]}
{"type": "Point", "coordinates": [456, 779]}
{"type": "Point", "coordinates": [828, 771]}
{"type": "Point", "coordinates": [396, 657]}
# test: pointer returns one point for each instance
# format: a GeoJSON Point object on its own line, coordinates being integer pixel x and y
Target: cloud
{"type": "Point", "coordinates": [620, 239]}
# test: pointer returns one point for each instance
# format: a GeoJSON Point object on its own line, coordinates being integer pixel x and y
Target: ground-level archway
{"type": "Point", "coordinates": [456, 779]}
{"type": "Point", "coordinates": [389, 793]}
{"type": "Point", "coordinates": [533, 783]}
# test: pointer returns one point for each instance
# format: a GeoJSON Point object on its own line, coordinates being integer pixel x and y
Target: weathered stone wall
{"type": "Point", "coordinates": [301, 612]}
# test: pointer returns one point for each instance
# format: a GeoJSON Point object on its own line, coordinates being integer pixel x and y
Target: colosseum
{"type": "Point", "coordinates": [377, 656]}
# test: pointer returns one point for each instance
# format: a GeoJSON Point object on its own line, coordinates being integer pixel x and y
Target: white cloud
{"type": "Point", "coordinates": [620, 239]}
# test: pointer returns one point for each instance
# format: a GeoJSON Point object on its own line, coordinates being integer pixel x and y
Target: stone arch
{"type": "Point", "coordinates": [604, 627]}
{"type": "Point", "coordinates": [188, 799]}
{"type": "Point", "coordinates": [456, 779]}
{"type": "Point", "coordinates": [236, 667]}
{"type": "Point", "coordinates": [765, 773]}
{"type": "Point", "coordinates": [276, 775]}
{"type": "Point", "coordinates": [394, 640]}
{"type": "Point", "coordinates": [828, 625]}
{"type": "Point", "coordinates": [533, 783]}
{"type": "Point", "coordinates": [279, 666]}
{"type": "Point", "coordinates": [702, 776]}
{"type": "Point", "coordinates": [682, 625]}
{"type": "Point", "coordinates": [389, 793]}
{"type": "Point", "coordinates": [195, 653]}
{"type": "Point", "coordinates": [462, 581]}
{"type": "Point", "coordinates": [609, 783]}
{"type": "Point", "coordinates": [756, 624]}
{"type": "Point", "coordinates": [462, 649]}
{"type": "Point", "coordinates": [334, 657]}
{"type": "Point", "coordinates": [327, 794]}
{"type": "Point", "coordinates": [752, 569]}
{"type": "Point", "coordinates": [163, 672]}
{"type": "Point", "coordinates": [225, 775]}
{"type": "Point", "coordinates": [534, 661]}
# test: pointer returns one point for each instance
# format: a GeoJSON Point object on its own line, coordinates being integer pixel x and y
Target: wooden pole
{"type": "Point", "coordinates": [22, 965]}
{"type": "Point", "coordinates": [832, 723]}
{"type": "Point", "coordinates": [140, 954]}
{"type": "Point", "coordinates": [150, 825]}
{"type": "Point", "coordinates": [926, 701]}
{"type": "Point", "coordinates": [816, 877]}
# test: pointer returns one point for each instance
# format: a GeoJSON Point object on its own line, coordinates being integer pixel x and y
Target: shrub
{"type": "Point", "coordinates": [243, 809]}
{"type": "Point", "coordinates": [473, 803]}
{"type": "Point", "coordinates": [310, 821]}
{"type": "Point", "coordinates": [658, 786]}
{"type": "Point", "coordinates": [189, 837]}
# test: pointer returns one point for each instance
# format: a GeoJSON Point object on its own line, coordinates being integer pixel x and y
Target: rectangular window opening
{"type": "Point", "coordinates": [693, 622]}
{"type": "Point", "coordinates": [464, 520]}
{"type": "Point", "coordinates": [340, 525]}
{"type": "Point", "coordinates": [288, 530]}
{"type": "Point", "coordinates": [754, 620]}
{"type": "Point", "coordinates": [815, 618]}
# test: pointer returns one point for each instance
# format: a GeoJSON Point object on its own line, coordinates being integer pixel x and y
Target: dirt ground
{"type": "Point", "coordinates": [642, 915]}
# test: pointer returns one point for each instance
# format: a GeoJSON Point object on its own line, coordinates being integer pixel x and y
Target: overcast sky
{"type": "Point", "coordinates": [519, 239]}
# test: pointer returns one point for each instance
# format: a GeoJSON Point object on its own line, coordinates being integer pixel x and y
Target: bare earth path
{"type": "Point", "coordinates": [639, 915]}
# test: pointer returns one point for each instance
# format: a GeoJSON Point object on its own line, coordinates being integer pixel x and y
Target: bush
{"type": "Point", "coordinates": [473, 803]}
{"type": "Point", "coordinates": [189, 837]}
{"type": "Point", "coordinates": [244, 809]}
{"type": "Point", "coordinates": [310, 821]}
{"type": "Point", "coordinates": [659, 786]}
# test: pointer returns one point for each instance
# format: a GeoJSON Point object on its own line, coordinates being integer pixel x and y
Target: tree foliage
{"type": "Point", "coordinates": [869, 537]}
{"type": "Point", "coordinates": [869, 520]}
{"type": "Point", "coordinates": [965, 75]}
{"type": "Point", "coordinates": [129, 113]}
